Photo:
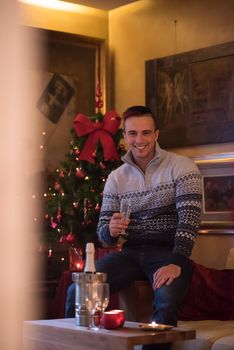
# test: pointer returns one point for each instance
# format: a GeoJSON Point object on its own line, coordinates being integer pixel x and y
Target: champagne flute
{"type": "Point", "coordinates": [92, 301]}
{"type": "Point", "coordinates": [125, 211]}
{"type": "Point", "coordinates": [104, 295]}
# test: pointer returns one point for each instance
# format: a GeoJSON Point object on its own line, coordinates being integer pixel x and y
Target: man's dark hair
{"type": "Point", "coordinates": [138, 111]}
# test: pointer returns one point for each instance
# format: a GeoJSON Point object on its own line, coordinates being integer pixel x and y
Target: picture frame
{"type": "Point", "coordinates": [217, 173]}
{"type": "Point", "coordinates": [192, 96]}
{"type": "Point", "coordinates": [55, 97]}
{"type": "Point", "coordinates": [68, 78]}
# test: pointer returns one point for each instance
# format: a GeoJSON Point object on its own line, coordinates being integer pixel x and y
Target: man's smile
{"type": "Point", "coordinates": [140, 147]}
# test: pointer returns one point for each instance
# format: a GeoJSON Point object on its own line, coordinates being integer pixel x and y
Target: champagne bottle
{"type": "Point", "coordinates": [89, 263]}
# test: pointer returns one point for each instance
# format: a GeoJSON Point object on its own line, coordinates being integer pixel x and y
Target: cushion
{"type": "Point", "coordinates": [210, 295]}
{"type": "Point", "coordinates": [208, 334]}
{"type": "Point", "coordinates": [230, 259]}
{"type": "Point", "coordinates": [224, 343]}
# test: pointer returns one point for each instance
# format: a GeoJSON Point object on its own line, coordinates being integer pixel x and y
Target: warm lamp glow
{"type": "Point", "coordinates": [59, 5]}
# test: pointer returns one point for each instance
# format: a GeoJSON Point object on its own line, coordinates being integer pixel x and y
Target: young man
{"type": "Point", "coordinates": [165, 194]}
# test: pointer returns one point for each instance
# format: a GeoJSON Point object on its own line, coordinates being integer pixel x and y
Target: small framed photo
{"type": "Point", "coordinates": [218, 193]}
{"type": "Point", "coordinates": [55, 97]}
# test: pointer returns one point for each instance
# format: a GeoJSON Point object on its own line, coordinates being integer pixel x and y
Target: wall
{"type": "Point", "coordinates": [146, 30]}
{"type": "Point", "coordinates": [212, 250]}
{"type": "Point", "coordinates": [65, 56]}
{"type": "Point", "coordinates": [69, 18]}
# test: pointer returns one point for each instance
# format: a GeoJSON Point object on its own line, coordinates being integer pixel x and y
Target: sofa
{"type": "Point", "coordinates": [208, 307]}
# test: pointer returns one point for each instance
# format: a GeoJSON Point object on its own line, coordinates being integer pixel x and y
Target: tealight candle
{"type": "Point", "coordinates": [155, 326]}
{"type": "Point", "coordinates": [113, 319]}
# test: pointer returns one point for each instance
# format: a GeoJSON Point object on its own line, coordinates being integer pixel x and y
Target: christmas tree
{"type": "Point", "coordinates": [74, 195]}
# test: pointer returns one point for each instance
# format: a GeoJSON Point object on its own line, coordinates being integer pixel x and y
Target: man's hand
{"type": "Point", "coordinates": [117, 224]}
{"type": "Point", "coordinates": [166, 275]}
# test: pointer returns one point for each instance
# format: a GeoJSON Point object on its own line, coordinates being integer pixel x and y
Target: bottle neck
{"type": "Point", "coordinates": [89, 264]}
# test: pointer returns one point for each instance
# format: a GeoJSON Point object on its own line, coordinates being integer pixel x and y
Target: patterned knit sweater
{"type": "Point", "coordinates": [165, 203]}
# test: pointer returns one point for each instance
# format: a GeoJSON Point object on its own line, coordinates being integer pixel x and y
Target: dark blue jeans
{"type": "Point", "coordinates": [137, 263]}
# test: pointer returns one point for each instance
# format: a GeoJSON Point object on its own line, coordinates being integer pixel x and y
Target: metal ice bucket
{"type": "Point", "coordinates": [80, 279]}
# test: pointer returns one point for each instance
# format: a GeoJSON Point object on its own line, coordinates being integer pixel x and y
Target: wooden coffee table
{"type": "Point", "coordinates": [63, 334]}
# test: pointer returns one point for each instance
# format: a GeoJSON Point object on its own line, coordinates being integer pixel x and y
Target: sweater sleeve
{"type": "Point", "coordinates": [188, 205]}
{"type": "Point", "coordinates": [110, 205]}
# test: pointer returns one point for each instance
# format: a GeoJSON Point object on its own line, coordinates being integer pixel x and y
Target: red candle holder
{"type": "Point", "coordinates": [113, 319]}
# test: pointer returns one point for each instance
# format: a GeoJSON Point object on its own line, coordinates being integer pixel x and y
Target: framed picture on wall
{"type": "Point", "coordinates": [192, 95]}
{"type": "Point", "coordinates": [56, 97]}
{"type": "Point", "coordinates": [218, 193]}
{"type": "Point", "coordinates": [67, 82]}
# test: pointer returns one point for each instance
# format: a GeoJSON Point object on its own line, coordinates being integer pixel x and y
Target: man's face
{"type": "Point", "coordinates": [140, 136]}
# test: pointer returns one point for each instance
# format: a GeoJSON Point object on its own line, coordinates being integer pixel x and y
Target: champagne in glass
{"type": "Point", "coordinates": [125, 211]}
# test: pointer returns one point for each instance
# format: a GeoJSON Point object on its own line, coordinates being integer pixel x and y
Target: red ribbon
{"type": "Point", "coordinates": [102, 130]}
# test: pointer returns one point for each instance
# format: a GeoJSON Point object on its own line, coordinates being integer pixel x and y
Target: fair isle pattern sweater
{"type": "Point", "coordinates": [165, 203]}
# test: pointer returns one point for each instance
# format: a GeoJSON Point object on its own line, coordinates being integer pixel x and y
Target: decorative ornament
{"type": "Point", "coordinates": [46, 216]}
{"type": "Point", "coordinates": [80, 173]}
{"type": "Point", "coordinates": [61, 174]}
{"type": "Point", "coordinates": [70, 238]}
{"type": "Point", "coordinates": [59, 215]}
{"type": "Point", "coordinates": [99, 101]}
{"type": "Point", "coordinates": [57, 186]}
{"type": "Point", "coordinates": [97, 207]}
{"type": "Point", "coordinates": [69, 172]}
{"type": "Point", "coordinates": [102, 165]}
{"type": "Point", "coordinates": [122, 147]}
{"type": "Point", "coordinates": [100, 131]}
{"type": "Point", "coordinates": [53, 224]}
{"type": "Point", "coordinates": [63, 239]}
{"type": "Point", "coordinates": [86, 208]}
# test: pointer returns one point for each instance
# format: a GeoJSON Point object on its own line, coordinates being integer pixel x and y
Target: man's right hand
{"type": "Point", "coordinates": [117, 224]}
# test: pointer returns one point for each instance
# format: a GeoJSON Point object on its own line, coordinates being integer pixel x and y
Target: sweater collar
{"type": "Point", "coordinates": [128, 158]}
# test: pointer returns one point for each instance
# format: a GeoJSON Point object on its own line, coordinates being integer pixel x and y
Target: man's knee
{"type": "Point", "coordinates": [70, 301]}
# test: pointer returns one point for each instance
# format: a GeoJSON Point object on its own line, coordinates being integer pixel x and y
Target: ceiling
{"type": "Point", "coordinates": [101, 4]}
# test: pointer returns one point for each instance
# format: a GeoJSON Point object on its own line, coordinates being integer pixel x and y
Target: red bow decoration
{"type": "Point", "coordinates": [102, 130]}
